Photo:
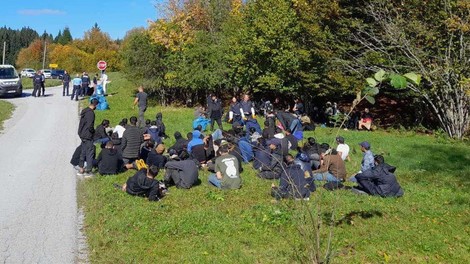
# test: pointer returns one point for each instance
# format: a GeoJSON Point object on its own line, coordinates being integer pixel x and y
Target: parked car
{"type": "Point", "coordinates": [10, 81]}
{"type": "Point", "coordinates": [28, 73]}
{"type": "Point", "coordinates": [57, 74]}
{"type": "Point", "coordinates": [47, 73]}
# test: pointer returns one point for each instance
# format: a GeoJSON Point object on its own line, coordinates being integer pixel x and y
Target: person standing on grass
{"type": "Point", "coordinates": [215, 111]}
{"type": "Point", "coordinates": [141, 100]}
{"type": "Point", "coordinates": [86, 131]}
{"type": "Point", "coordinates": [227, 171]}
{"type": "Point", "coordinates": [77, 84]}
{"type": "Point", "coordinates": [65, 82]}
{"type": "Point", "coordinates": [104, 81]}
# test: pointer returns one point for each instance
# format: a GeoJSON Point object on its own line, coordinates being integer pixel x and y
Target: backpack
{"type": "Point", "coordinates": [140, 164]}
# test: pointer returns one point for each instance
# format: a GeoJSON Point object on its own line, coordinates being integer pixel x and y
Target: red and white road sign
{"type": "Point", "coordinates": [101, 65]}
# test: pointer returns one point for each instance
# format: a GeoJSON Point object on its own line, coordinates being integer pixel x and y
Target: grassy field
{"type": "Point", "coordinates": [28, 83]}
{"type": "Point", "coordinates": [430, 224]}
{"type": "Point", "coordinates": [6, 109]}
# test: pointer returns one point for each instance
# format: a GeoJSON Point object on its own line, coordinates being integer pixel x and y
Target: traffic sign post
{"type": "Point", "coordinates": [101, 65]}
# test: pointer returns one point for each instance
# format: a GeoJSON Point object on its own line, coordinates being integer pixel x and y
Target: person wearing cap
{"type": "Point", "coordinates": [342, 148]}
{"type": "Point", "coordinates": [156, 158]}
{"type": "Point", "coordinates": [378, 180]}
{"type": "Point", "coordinates": [332, 168]}
{"type": "Point", "coordinates": [274, 169]}
{"type": "Point", "coordinates": [86, 131]}
{"type": "Point", "coordinates": [227, 173]}
{"type": "Point", "coordinates": [367, 162]}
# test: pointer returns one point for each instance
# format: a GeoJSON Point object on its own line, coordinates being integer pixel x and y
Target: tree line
{"type": "Point", "coordinates": [314, 49]}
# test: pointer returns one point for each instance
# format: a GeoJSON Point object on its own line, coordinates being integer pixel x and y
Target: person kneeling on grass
{"type": "Point", "coordinates": [143, 184]}
{"type": "Point", "coordinates": [379, 180]}
{"type": "Point", "coordinates": [292, 183]}
{"type": "Point", "coordinates": [227, 174]}
{"type": "Point", "coordinates": [109, 160]}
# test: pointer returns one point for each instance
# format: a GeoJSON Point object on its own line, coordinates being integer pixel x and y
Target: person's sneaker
{"type": "Point", "coordinates": [88, 175]}
{"type": "Point", "coordinates": [358, 191]}
{"type": "Point", "coordinates": [76, 167]}
{"type": "Point", "coordinates": [80, 173]}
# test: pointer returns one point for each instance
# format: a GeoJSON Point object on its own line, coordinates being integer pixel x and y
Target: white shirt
{"type": "Point", "coordinates": [120, 130]}
{"type": "Point", "coordinates": [344, 149]}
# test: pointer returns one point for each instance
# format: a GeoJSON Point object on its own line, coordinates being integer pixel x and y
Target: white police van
{"type": "Point", "coordinates": [10, 81]}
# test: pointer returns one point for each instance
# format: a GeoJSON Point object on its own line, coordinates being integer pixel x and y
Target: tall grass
{"type": "Point", "coordinates": [205, 225]}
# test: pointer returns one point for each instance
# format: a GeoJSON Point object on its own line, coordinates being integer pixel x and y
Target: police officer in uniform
{"type": "Point", "coordinates": [37, 81]}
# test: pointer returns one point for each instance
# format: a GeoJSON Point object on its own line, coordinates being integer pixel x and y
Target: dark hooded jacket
{"type": "Point", "coordinates": [160, 125]}
{"type": "Point", "coordinates": [293, 183]}
{"type": "Point", "coordinates": [183, 174]}
{"type": "Point", "coordinates": [86, 127]}
{"type": "Point", "coordinates": [380, 180]}
{"type": "Point", "coordinates": [109, 161]}
{"type": "Point", "coordinates": [141, 185]}
{"type": "Point", "coordinates": [180, 143]}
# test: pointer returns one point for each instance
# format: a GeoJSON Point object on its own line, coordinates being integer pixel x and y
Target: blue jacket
{"type": "Point", "coordinates": [195, 141]}
{"type": "Point", "coordinates": [245, 149]}
{"type": "Point", "coordinates": [293, 182]}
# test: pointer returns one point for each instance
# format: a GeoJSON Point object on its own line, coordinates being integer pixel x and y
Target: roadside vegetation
{"type": "Point", "coordinates": [28, 83]}
{"type": "Point", "coordinates": [204, 225]}
{"type": "Point", "coordinates": [6, 110]}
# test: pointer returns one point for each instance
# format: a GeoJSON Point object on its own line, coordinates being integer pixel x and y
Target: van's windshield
{"type": "Point", "coordinates": [8, 73]}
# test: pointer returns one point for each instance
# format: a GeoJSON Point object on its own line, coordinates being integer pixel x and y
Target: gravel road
{"type": "Point", "coordinates": [38, 205]}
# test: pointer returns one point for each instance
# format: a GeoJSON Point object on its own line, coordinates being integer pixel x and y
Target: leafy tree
{"type": "Point", "coordinates": [434, 42]}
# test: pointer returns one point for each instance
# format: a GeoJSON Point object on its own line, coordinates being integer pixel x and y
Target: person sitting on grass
{"type": "Point", "coordinates": [154, 132]}
{"type": "Point", "coordinates": [119, 129]}
{"type": "Point", "coordinates": [160, 125]}
{"type": "Point", "coordinates": [332, 168]}
{"type": "Point", "coordinates": [132, 139]}
{"type": "Point", "coordinates": [293, 141]}
{"type": "Point", "coordinates": [146, 148]}
{"type": "Point", "coordinates": [367, 162]}
{"type": "Point", "coordinates": [379, 181]}
{"type": "Point", "coordinates": [274, 169]}
{"type": "Point", "coordinates": [109, 160]}
{"type": "Point", "coordinates": [156, 158]}
{"type": "Point", "coordinates": [292, 183]}
{"type": "Point", "coordinates": [100, 135]}
{"type": "Point", "coordinates": [227, 173]}
{"type": "Point", "coordinates": [342, 148]}
{"type": "Point", "coordinates": [366, 120]}
{"type": "Point", "coordinates": [143, 184]}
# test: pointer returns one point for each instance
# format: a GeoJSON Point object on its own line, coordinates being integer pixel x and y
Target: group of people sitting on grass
{"type": "Point", "coordinates": [275, 152]}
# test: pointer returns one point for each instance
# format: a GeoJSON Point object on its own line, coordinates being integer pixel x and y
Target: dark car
{"type": "Point", "coordinates": [57, 74]}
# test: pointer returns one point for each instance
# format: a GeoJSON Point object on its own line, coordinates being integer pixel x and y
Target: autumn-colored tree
{"type": "Point", "coordinates": [32, 56]}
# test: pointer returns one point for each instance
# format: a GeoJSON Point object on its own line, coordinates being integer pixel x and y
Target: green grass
{"type": "Point", "coordinates": [6, 110]}
{"type": "Point", "coordinates": [28, 83]}
{"type": "Point", "coordinates": [204, 225]}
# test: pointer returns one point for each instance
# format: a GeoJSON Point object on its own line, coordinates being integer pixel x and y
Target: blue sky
{"type": "Point", "coordinates": [115, 17]}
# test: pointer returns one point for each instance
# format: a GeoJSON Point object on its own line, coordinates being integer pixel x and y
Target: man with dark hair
{"type": "Point", "coordinates": [246, 108]}
{"type": "Point", "coordinates": [227, 173]}
{"type": "Point", "coordinates": [261, 155]}
{"type": "Point", "coordinates": [292, 183]}
{"type": "Point", "coordinates": [132, 138]}
{"type": "Point", "coordinates": [100, 133]}
{"type": "Point", "coordinates": [161, 125]}
{"type": "Point", "coordinates": [234, 115]}
{"type": "Point", "coordinates": [298, 108]}
{"type": "Point", "coordinates": [65, 82]}
{"type": "Point", "coordinates": [312, 149]}
{"type": "Point", "coordinates": [274, 169]}
{"type": "Point", "coordinates": [43, 84]}
{"type": "Point", "coordinates": [332, 168]}
{"type": "Point", "coordinates": [180, 143]}
{"type": "Point", "coordinates": [156, 158]}
{"type": "Point", "coordinates": [181, 173]}
{"type": "Point", "coordinates": [141, 100]}
{"type": "Point", "coordinates": [143, 184]}
{"type": "Point", "coordinates": [378, 180]}
{"type": "Point", "coordinates": [293, 142]}
{"type": "Point", "coordinates": [119, 129]}
{"type": "Point", "coordinates": [215, 111]}
{"type": "Point", "coordinates": [109, 160]}
{"type": "Point", "coordinates": [269, 130]}
{"type": "Point", "coordinates": [342, 148]}
{"type": "Point", "coordinates": [86, 131]}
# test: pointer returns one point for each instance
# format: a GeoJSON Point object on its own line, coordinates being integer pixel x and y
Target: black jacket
{"type": "Point", "coordinates": [384, 182]}
{"type": "Point", "coordinates": [180, 145]}
{"type": "Point", "coordinates": [131, 141]}
{"type": "Point", "coordinates": [293, 142]}
{"type": "Point", "coordinates": [109, 161]}
{"type": "Point", "coordinates": [100, 132]}
{"type": "Point", "coordinates": [183, 174]}
{"type": "Point", "coordinates": [262, 157]}
{"type": "Point", "coordinates": [293, 182]}
{"type": "Point", "coordinates": [141, 185]}
{"type": "Point", "coordinates": [155, 159]}
{"type": "Point", "coordinates": [86, 127]}
{"type": "Point", "coordinates": [215, 108]}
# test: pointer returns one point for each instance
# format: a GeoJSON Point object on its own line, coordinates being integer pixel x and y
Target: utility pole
{"type": "Point", "coordinates": [44, 56]}
{"type": "Point", "coordinates": [4, 48]}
